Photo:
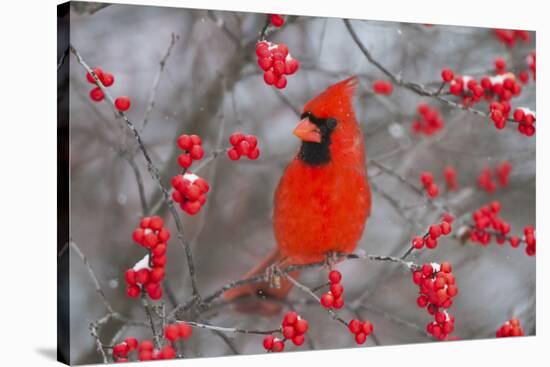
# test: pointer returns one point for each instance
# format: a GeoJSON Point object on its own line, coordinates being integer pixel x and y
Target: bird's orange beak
{"type": "Point", "coordinates": [307, 131]}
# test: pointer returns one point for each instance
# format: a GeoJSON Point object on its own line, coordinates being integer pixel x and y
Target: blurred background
{"type": "Point", "coordinates": [212, 86]}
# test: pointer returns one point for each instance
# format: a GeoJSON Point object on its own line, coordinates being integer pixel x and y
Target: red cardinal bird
{"type": "Point", "coordinates": [323, 198]}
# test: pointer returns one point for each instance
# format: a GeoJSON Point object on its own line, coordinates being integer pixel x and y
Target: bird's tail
{"type": "Point", "coordinates": [261, 297]}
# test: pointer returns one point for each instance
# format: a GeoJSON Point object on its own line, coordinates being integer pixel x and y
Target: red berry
{"type": "Point", "coordinates": [327, 300]}
{"type": "Point", "coordinates": [185, 330]}
{"type": "Point", "coordinates": [196, 152]}
{"type": "Point", "coordinates": [335, 276]}
{"type": "Point", "coordinates": [354, 326]}
{"type": "Point", "coordinates": [171, 332]}
{"type": "Point", "coordinates": [435, 231]}
{"type": "Point", "coordinates": [132, 343]}
{"type": "Point", "coordinates": [500, 64]}
{"type": "Point", "coordinates": [146, 345]}
{"type": "Point", "coordinates": [254, 154]}
{"type": "Point", "coordinates": [133, 291]}
{"type": "Point", "coordinates": [164, 235]}
{"type": "Point", "coordinates": [426, 178]}
{"type": "Point", "coordinates": [98, 72]}
{"type": "Point", "coordinates": [265, 63]}
{"type": "Point", "coordinates": [301, 326]}
{"type": "Point", "coordinates": [96, 94]}
{"type": "Point", "coordinates": [290, 318]}
{"type": "Point", "coordinates": [156, 223]}
{"type": "Point", "coordinates": [107, 79]}
{"type": "Point", "coordinates": [281, 82]}
{"type": "Point", "coordinates": [288, 332]}
{"type": "Point", "coordinates": [268, 342]}
{"type": "Point", "coordinates": [233, 154]}
{"type": "Point", "coordinates": [168, 352]}
{"type": "Point", "coordinates": [121, 350]}
{"type": "Point", "coordinates": [277, 20]}
{"type": "Point", "coordinates": [447, 75]}
{"type": "Point", "coordinates": [337, 290]}
{"type": "Point", "coordinates": [418, 242]}
{"type": "Point", "coordinates": [146, 355]}
{"type": "Point", "coordinates": [445, 228]}
{"type": "Point", "coordinates": [184, 142]}
{"type": "Point", "coordinates": [157, 274]}
{"type": "Point", "coordinates": [432, 190]}
{"type": "Point", "coordinates": [122, 103]}
{"type": "Point", "coordinates": [382, 87]}
{"type": "Point", "coordinates": [185, 160]}
{"type": "Point", "coordinates": [269, 77]}
{"type": "Point", "coordinates": [278, 346]}
{"type": "Point", "coordinates": [298, 340]}
{"type": "Point", "coordinates": [360, 338]}
{"type": "Point", "coordinates": [367, 327]}
{"type": "Point", "coordinates": [291, 66]}
{"type": "Point", "coordinates": [338, 303]}
{"type": "Point", "coordinates": [422, 301]}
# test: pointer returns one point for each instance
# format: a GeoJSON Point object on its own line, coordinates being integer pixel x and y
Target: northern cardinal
{"type": "Point", "coordinates": [323, 199]}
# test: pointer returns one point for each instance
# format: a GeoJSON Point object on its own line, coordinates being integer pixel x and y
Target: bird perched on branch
{"type": "Point", "coordinates": [323, 199]}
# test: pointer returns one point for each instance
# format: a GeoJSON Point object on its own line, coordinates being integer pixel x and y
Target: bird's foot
{"type": "Point", "coordinates": [331, 258]}
{"type": "Point", "coordinates": [273, 275]}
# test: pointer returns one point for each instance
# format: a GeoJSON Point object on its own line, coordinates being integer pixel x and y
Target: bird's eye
{"type": "Point", "coordinates": [331, 123]}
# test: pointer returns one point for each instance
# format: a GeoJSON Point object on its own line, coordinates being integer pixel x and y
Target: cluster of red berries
{"type": "Point", "coordinates": [526, 120]}
{"type": "Point", "coordinates": [243, 145]}
{"type": "Point", "coordinates": [361, 330]}
{"type": "Point", "coordinates": [502, 85]}
{"type": "Point", "coordinates": [510, 328]}
{"type": "Point", "coordinates": [276, 20]}
{"type": "Point", "coordinates": [510, 36]}
{"type": "Point", "coordinates": [146, 351]}
{"type": "Point", "coordinates": [427, 180]}
{"type": "Point", "coordinates": [335, 297]}
{"type": "Point", "coordinates": [437, 288]}
{"type": "Point", "coordinates": [189, 192]}
{"type": "Point", "coordinates": [429, 120]}
{"type": "Point", "coordinates": [175, 332]}
{"type": "Point", "coordinates": [293, 328]}
{"type": "Point", "coordinates": [430, 239]}
{"type": "Point", "coordinates": [486, 218]}
{"type": "Point", "coordinates": [192, 150]}
{"type": "Point", "coordinates": [107, 79]}
{"type": "Point", "coordinates": [148, 273]}
{"type": "Point", "coordinates": [486, 181]}
{"type": "Point", "coordinates": [382, 87]}
{"type": "Point", "coordinates": [276, 62]}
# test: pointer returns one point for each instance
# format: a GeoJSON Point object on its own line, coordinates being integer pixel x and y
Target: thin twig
{"type": "Point", "coordinates": [230, 329]}
{"type": "Point", "coordinates": [98, 288]}
{"type": "Point", "coordinates": [145, 304]}
{"type": "Point", "coordinates": [156, 82]}
{"type": "Point", "coordinates": [95, 334]}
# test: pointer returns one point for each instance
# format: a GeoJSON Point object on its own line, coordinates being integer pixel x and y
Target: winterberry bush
{"type": "Point", "coordinates": [178, 142]}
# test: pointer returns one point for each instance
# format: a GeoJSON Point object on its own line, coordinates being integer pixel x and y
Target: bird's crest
{"type": "Point", "coordinates": [335, 101]}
